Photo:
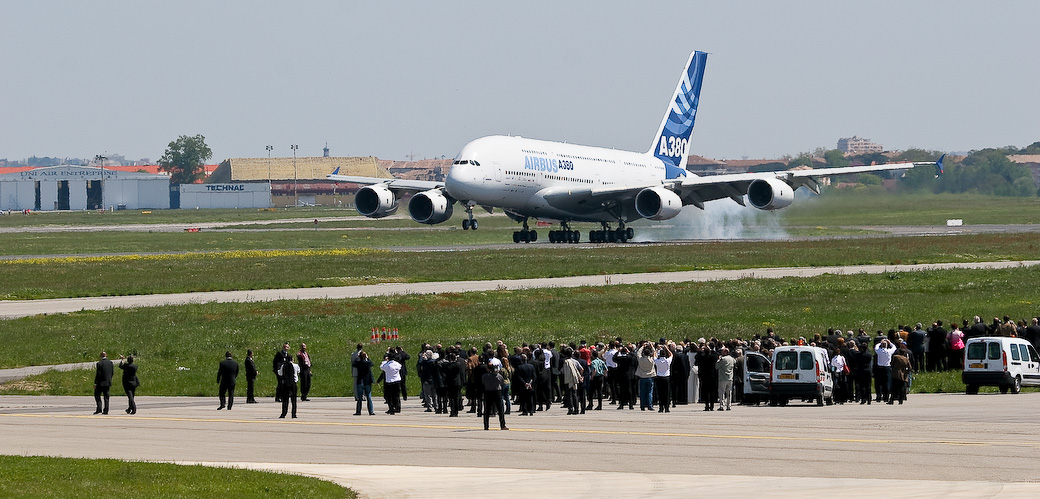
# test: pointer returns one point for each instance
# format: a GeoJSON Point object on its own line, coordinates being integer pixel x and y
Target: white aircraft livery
{"type": "Point", "coordinates": [569, 183]}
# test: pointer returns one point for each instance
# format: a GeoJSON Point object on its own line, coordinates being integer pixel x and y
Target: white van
{"type": "Point", "coordinates": [756, 377]}
{"type": "Point", "coordinates": [801, 372]}
{"type": "Point", "coordinates": [1008, 363]}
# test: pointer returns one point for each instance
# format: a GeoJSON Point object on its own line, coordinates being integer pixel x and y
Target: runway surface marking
{"type": "Point", "coordinates": [958, 443]}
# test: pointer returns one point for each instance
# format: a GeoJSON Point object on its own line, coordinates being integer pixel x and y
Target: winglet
{"type": "Point", "coordinates": [335, 172]}
{"type": "Point", "coordinates": [939, 166]}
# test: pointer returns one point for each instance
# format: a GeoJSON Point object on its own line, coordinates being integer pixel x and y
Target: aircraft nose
{"type": "Point", "coordinates": [461, 180]}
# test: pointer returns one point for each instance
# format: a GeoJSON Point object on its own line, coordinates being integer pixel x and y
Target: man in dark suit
{"type": "Point", "coordinates": [227, 371]}
{"type": "Point", "coordinates": [251, 373]}
{"type": "Point", "coordinates": [524, 382]}
{"type": "Point", "coordinates": [280, 357]}
{"type": "Point", "coordinates": [130, 382]}
{"type": "Point", "coordinates": [102, 383]}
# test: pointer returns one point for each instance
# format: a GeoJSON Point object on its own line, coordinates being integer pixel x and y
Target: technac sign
{"type": "Point", "coordinates": [226, 188]}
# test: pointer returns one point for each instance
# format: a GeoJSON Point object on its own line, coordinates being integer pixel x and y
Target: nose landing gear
{"type": "Point", "coordinates": [469, 222]}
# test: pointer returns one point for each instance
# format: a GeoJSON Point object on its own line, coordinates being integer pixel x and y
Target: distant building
{"type": "Point", "coordinates": [82, 188]}
{"type": "Point", "coordinates": [1030, 161]}
{"type": "Point", "coordinates": [858, 145]}
{"type": "Point", "coordinates": [300, 181]}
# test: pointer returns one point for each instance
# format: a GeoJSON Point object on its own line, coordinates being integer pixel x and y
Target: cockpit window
{"type": "Point", "coordinates": [474, 163]}
{"type": "Point", "coordinates": [466, 162]}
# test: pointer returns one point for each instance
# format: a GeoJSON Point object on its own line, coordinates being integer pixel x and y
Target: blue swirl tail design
{"type": "Point", "coordinates": [672, 142]}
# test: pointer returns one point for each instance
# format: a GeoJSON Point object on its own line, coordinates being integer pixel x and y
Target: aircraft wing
{"type": "Point", "coordinates": [394, 184]}
{"type": "Point", "coordinates": [697, 190]}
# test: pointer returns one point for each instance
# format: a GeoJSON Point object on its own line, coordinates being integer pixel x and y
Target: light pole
{"type": "Point", "coordinates": [269, 183]}
{"type": "Point", "coordinates": [269, 148]}
{"type": "Point", "coordinates": [296, 199]}
{"type": "Point", "coordinates": [101, 160]}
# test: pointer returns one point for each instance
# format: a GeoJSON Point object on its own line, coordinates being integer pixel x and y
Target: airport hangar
{"type": "Point", "coordinates": [81, 188]}
{"type": "Point", "coordinates": [235, 183]}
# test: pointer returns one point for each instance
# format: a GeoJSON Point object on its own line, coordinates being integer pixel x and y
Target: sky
{"type": "Point", "coordinates": [421, 79]}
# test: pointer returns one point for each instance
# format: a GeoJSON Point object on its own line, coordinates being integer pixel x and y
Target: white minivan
{"type": "Point", "coordinates": [801, 372]}
{"type": "Point", "coordinates": [756, 378]}
{"type": "Point", "coordinates": [1008, 363]}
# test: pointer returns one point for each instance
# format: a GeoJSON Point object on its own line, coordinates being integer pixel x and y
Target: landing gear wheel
{"type": "Point", "coordinates": [631, 234]}
{"type": "Point", "coordinates": [516, 236]}
{"type": "Point", "coordinates": [621, 235]}
{"type": "Point", "coordinates": [473, 224]}
{"type": "Point", "coordinates": [534, 236]}
{"type": "Point", "coordinates": [465, 225]}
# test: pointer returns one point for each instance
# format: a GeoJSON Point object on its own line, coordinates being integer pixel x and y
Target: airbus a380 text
{"type": "Point", "coordinates": [569, 183]}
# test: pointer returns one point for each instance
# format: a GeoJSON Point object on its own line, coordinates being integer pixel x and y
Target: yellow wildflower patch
{"type": "Point", "coordinates": [209, 255]}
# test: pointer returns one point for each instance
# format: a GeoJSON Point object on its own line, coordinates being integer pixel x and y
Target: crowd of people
{"type": "Point", "coordinates": [659, 375]}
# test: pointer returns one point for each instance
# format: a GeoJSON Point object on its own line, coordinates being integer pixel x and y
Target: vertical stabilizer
{"type": "Point", "coordinates": [672, 142]}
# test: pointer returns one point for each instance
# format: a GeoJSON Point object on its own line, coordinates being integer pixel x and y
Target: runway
{"type": "Point", "coordinates": [935, 445]}
{"type": "Point", "coordinates": [22, 308]}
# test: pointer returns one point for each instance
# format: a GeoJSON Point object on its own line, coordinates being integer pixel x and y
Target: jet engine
{"type": "Point", "coordinates": [375, 201]}
{"type": "Point", "coordinates": [658, 203]}
{"type": "Point", "coordinates": [770, 194]}
{"type": "Point", "coordinates": [430, 207]}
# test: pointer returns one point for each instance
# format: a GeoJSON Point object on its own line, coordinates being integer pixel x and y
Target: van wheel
{"type": "Point", "coordinates": [1016, 385]}
{"type": "Point", "coordinates": [829, 400]}
{"type": "Point", "coordinates": [819, 400]}
{"type": "Point", "coordinates": [1004, 389]}
{"type": "Point", "coordinates": [971, 389]}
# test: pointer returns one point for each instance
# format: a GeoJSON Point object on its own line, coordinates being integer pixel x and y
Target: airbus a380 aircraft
{"type": "Point", "coordinates": [570, 183]}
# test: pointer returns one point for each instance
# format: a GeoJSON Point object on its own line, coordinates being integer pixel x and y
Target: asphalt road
{"type": "Point", "coordinates": [22, 308]}
{"type": "Point", "coordinates": [934, 445]}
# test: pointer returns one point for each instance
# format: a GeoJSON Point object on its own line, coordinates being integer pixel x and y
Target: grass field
{"type": "Point", "coordinates": [178, 347]}
{"type": "Point", "coordinates": [233, 270]}
{"type": "Point", "coordinates": [36, 476]}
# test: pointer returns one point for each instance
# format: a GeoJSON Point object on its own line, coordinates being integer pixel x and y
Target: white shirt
{"type": "Point", "coordinates": [663, 365]}
{"type": "Point", "coordinates": [608, 358]}
{"type": "Point", "coordinates": [548, 356]}
{"type": "Point", "coordinates": [295, 368]}
{"type": "Point", "coordinates": [884, 355]}
{"type": "Point", "coordinates": [838, 363]}
{"type": "Point", "coordinates": [392, 369]}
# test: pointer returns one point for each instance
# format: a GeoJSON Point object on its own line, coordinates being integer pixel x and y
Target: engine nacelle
{"type": "Point", "coordinates": [375, 201]}
{"type": "Point", "coordinates": [658, 203]}
{"type": "Point", "coordinates": [430, 207]}
{"type": "Point", "coordinates": [770, 194]}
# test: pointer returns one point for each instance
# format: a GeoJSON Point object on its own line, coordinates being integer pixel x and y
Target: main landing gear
{"type": "Point", "coordinates": [525, 235]}
{"type": "Point", "coordinates": [620, 235]}
{"type": "Point", "coordinates": [470, 222]}
{"type": "Point", "coordinates": [566, 235]}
